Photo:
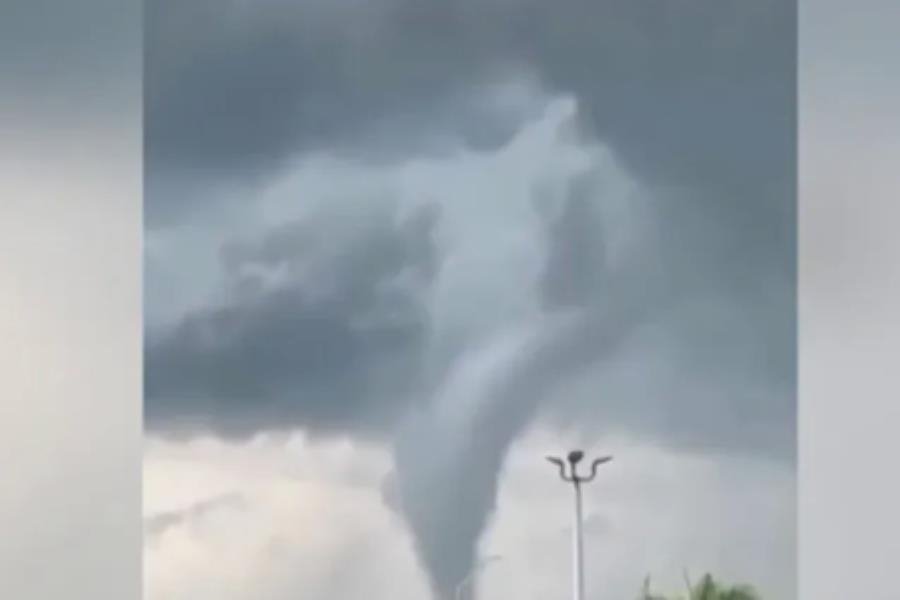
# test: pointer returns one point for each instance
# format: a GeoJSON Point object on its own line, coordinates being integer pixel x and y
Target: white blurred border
{"type": "Point", "coordinates": [849, 330]}
{"type": "Point", "coordinates": [70, 299]}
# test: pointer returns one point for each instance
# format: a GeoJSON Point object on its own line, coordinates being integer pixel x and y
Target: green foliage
{"type": "Point", "coordinates": [706, 589]}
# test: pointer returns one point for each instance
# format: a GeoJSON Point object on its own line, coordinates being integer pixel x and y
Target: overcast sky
{"type": "Point", "coordinates": [397, 251]}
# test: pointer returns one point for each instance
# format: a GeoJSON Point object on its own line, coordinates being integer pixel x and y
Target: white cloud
{"type": "Point", "coordinates": [312, 522]}
{"type": "Point", "coordinates": [308, 511]}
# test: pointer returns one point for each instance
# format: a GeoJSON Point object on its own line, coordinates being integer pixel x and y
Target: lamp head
{"type": "Point", "coordinates": [575, 456]}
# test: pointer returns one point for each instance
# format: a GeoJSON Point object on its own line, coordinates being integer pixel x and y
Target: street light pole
{"type": "Point", "coordinates": [578, 542]}
{"type": "Point", "coordinates": [571, 476]}
{"type": "Point", "coordinates": [461, 586]}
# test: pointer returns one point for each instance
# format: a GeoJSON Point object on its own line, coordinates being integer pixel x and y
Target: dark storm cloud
{"type": "Point", "coordinates": [711, 301]}
{"type": "Point", "coordinates": [335, 345]}
{"type": "Point", "coordinates": [235, 92]}
{"type": "Point", "coordinates": [690, 93]}
{"type": "Point", "coordinates": [576, 257]}
{"type": "Point", "coordinates": [341, 342]}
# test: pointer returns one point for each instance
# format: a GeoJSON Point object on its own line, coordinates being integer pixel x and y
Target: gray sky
{"type": "Point", "coordinates": [434, 229]}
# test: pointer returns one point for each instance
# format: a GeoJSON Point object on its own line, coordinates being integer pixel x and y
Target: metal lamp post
{"type": "Point", "coordinates": [461, 586]}
{"type": "Point", "coordinates": [571, 475]}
